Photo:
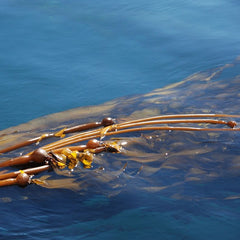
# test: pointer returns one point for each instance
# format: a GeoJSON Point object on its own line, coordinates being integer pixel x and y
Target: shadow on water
{"type": "Point", "coordinates": [182, 185]}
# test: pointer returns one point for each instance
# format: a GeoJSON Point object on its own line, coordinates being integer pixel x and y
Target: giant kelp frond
{"type": "Point", "coordinates": [70, 152]}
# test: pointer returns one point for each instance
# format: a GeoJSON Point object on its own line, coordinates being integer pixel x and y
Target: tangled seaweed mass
{"type": "Point", "coordinates": [178, 129]}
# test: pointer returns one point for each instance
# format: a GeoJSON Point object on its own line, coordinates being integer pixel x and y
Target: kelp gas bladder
{"type": "Point", "coordinates": [71, 152]}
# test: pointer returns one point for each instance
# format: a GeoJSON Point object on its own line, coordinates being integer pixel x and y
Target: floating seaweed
{"type": "Point", "coordinates": [165, 139]}
{"type": "Point", "coordinates": [61, 154]}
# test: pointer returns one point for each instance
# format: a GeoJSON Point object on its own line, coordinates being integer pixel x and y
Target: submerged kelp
{"type": "Point", "coordinates": [173, 162]}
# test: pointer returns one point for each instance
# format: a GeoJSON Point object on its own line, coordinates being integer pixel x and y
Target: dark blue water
{"type": "Point", "coordinates": [57, 55]}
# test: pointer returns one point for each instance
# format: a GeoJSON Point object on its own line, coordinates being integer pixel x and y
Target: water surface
{"type": "Point", "coordinates": [58, 55]}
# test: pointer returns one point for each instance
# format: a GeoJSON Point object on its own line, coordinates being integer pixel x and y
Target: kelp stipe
{"type": "Point", "coordinates": [65, 154]}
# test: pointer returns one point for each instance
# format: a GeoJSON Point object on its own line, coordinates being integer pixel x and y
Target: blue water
{"type": "Point", "coordinates": [56, 55]}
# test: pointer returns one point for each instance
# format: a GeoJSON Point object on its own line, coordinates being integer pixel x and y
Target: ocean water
{"type": "Point", "coordinates": [59, 55]}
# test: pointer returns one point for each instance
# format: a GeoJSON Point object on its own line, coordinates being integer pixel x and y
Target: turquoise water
{"type": "Point", "coordinates": [57, 55]}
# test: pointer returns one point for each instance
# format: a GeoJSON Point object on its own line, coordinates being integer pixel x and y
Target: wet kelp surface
{"type": "Point", "coordinates": [180, 174]}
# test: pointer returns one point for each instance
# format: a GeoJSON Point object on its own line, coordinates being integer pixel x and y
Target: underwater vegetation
{"type": "Point", "coordinates": [186, 133]}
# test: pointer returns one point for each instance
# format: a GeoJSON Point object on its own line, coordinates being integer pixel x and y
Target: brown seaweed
{"type": "Point", "coordinates": [188, 130]}
{"type": "Point", "coordinates": [54, 155]}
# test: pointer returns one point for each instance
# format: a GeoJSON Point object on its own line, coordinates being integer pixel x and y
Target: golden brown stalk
{"type": "Point", "coordinates": [210, 115]}
{"type": "Point", "coordinates": [97, 133]}
{"type": "Point", "coordinates": [25, 143]}
{"type": "Point", "coordinates": [29, 171]}
{"type": "Point", "coordinates": [83, 127]}
{"type": "Point", "coordinates": [21, 178]}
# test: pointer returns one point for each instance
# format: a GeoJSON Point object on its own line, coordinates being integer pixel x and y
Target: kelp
{"type": "Point", "coordinates": [184, 133]}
